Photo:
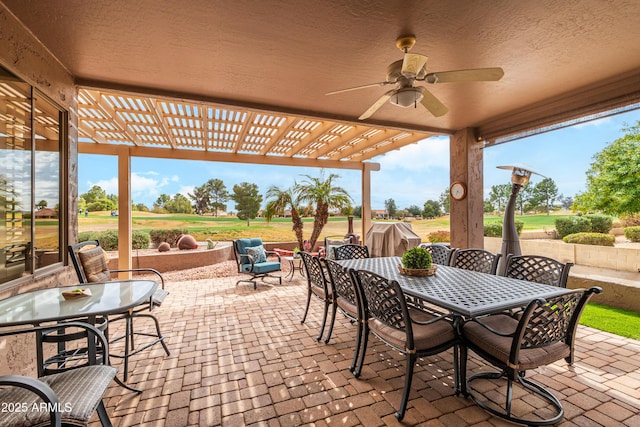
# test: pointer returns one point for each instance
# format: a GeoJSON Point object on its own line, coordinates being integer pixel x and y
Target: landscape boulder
{"type": "Point", "coordinates": [163, 247]}
{"type": "Point", "coordinates": [187, 241]}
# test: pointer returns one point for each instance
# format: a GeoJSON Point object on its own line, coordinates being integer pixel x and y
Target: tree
{"type": "Point", "coordinates": [161, 202]}
{"type": "Point", "coordinates": [613, 181]}
{"type": "Point", "coordinates": [326, 196]}
{"type": "Point", "coordinates": [524, 198]}
{"type": "Point", "coordinates": [280, 200]}
{"type": "Point", "coordinates": [95, 193]}
{"type": "Point", "coordinates": [357, 211]}
{"type": "Point", "coordinates": [248, 200]}
{"type": "Point", "coordinates": [565, 202]}
{"type": "Point", "coordinates": [179, 204]}
{"type": "Point", "coordinates": [431, 209]}
{"type": "Point", "coordinates": [545, 194]}
{"type": "Point", "coordinates": [41, 205]}
{"type": "Point", "coordinates": [499, 195]}
{"type": "Point", "coordinates": [201, 199]}
{"type": "Point", "coordinates": [445, 200]}
{"type": "Point", "coordinates": [140, 207]}
{"type": "Point", "coordinates": [210, 197]}
{"type": "Point", "coordinates": [414, 210]}
{"type": "Point", "coordinates": [218, 195]}
{"type": "Point", "coordinates": [390, 207]}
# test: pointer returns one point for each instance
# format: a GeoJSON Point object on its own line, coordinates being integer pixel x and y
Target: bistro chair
{"type": "Point", "coordinates": [253, 259]}
{"type": "Point", "coordinates": [475, 260]}
{"type": "Point", "coordinates": [318, 286]}
{"type": "Point", "coordinates": [350, 251]}
{"type": "Point", "coordinates": [90, 262]}
{"type": "Point", "coordinates": [71, 397]}
{"type": "Point", "coordinates": [410, 332]}
{"type": "Point", "coordinates": [440, 253]}
{"type": "Point", "coordinates": [348, 299]}
{"type": "Point", "coordinates": [539, 269]}
{"type": "Point", "coordinates": [543, 334]}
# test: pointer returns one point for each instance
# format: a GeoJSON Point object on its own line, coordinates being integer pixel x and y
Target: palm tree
{"type": "Point", "coordinates": [281, 200]}
{"type": "Point", "coordinates": [326, 196]}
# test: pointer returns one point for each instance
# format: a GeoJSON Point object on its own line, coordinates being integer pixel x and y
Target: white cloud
{"type": "Point", "coordinates": [108, 185]}
{"type": "Point", "coordinates": [432, 152]}
{"type": "Point", "coordinates": [144, 185]}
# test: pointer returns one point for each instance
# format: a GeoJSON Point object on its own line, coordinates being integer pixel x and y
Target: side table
{"type": "Point", "coordinates": [295, 264]}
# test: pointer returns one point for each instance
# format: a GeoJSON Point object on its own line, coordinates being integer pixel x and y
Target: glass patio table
{"type": "Point", "coordinates": [463, 292]}
{"type": "Point", "coordinates": [45, 306]}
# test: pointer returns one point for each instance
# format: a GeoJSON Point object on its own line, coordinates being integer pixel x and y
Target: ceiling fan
{"type": "Point", "coordinates": [411, 69]}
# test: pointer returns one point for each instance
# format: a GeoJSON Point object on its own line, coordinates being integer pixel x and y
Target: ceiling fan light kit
{"type": "Point", "coordinates": [408, 97]}
{"type": "Point", "coordinates": [411, 69]}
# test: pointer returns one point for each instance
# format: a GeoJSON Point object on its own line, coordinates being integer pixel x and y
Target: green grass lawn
{"type": "Point", "coordinates": [625, 323]}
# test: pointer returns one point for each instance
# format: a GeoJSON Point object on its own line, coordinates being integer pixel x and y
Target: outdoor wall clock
{"type": "Point", "coordinates": [458, 190]}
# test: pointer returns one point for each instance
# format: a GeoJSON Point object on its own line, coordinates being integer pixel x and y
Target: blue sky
{"type": "Point", "coordinates": [410, 175]}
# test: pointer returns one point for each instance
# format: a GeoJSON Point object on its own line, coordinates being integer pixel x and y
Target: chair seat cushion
{"type": "Point", "coordinates": [263, 267]}
{"type": "Point", "coordinates": [158, 296]}
{"type": "Point", "coordinates": [500, 347]}
{"type": "Point", "coordinates": [346, 306]}
{"type": "Point", "coordinates": [78, 390]}
{"type": "Point", "coordinates": [94, 264]}
{"type": "Point", "coordinates": [425, 337]}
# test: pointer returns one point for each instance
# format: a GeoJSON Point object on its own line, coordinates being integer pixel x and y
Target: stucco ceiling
{"type": "Point", "coordinates": [561, 59]}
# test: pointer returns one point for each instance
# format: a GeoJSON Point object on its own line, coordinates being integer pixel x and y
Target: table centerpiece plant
{"type": "Point", "coordinates": [417, 262]}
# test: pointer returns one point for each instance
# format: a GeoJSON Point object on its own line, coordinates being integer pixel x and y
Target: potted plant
{"type": "Point", "coordinates": [417, 262]}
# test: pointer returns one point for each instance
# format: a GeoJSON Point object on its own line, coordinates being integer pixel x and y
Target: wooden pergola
{"type": "Point", "coordinates": [134, 125]}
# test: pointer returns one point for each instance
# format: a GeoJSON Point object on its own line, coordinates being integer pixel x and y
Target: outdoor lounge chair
{"type": "Point", "coordinates": [90, 263]}
{"type": "Point", "coordinates": [542, 335]}
{"type": "Point", "coordinates": [253, 259]}
{"type": "Point", "coordinates": [71, 397]}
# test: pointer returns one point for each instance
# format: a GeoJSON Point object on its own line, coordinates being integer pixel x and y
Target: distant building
{"type": "Point", "coordinates": [46, 213]}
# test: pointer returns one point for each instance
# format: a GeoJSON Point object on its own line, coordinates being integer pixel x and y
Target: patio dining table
{"type": "Point", "coordinates": [48, 306]}
{"type": "Point", "coordinates": [464, 293]}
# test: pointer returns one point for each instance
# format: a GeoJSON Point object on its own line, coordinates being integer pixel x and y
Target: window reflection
{"type": "Point", "coordinates": [29, 175]}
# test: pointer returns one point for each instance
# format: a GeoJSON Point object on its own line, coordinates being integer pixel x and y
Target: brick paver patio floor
{"type": "Point", "coordinates": [240, 357]}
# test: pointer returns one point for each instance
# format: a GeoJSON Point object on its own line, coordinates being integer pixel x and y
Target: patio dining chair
{"type": "Point", "coordinates": [70, 397]}
{"type": "Point", "coordinates": [90, 263]}
{"type": "Point", "coordinates": [475, 260]}
{"type": "Point", "coordinates": [440, 253]}
{"type": "Point", "coordinates": [348, 299]}
{"type": "Point", "coordinates": [408, 331]}
{"type": "Point", "coordinates": [543, 334]}
{"type": "Point", "coordinates": [350, 251]}
{"type": "Point", "coordinates": [537, 268]}
{"type": "Point", "coordinates": [318, 286]}
{"type": "Point", "coordinates": [253, 259]}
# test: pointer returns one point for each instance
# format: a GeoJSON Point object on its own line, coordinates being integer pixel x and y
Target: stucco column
{"type": "Point", "coordinates": [366, 198]}
{"type": "Point", "coordinates": [467, 229]}
{"type": "Point", "coordinates": [124, 212]}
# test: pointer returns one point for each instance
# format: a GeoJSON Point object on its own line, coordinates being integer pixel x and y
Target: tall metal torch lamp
{"type": "Point", "coordinates": [510, 243]}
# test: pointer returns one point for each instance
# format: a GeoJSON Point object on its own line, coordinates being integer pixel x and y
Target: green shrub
{"type": "Point", "coordinates": [84, 236]}
{"type": "Point", "coordinates": [632, 233]}
{"type": "Point", "coordinates": [109, 239]}
{"type": "Point", "coordinates": [169, 236]}
{"type": "Point", "coordinates": [416, 258]}
{"type": "Point", "coordinates": [600, 223]}
{"type": "Point", "coordinates": [630, 220]}
{"type": "Point", "coordinates": [597, 239]}
{"type": "Point", "coordinates": [440, 236]}
{"type": "Point", "coordinates": [494, 229]}
{"type": "Point", "coordinates": [572, 225]}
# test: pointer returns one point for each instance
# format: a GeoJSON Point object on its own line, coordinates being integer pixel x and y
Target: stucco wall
{"type": "Point", "coordinates": [25, 57]}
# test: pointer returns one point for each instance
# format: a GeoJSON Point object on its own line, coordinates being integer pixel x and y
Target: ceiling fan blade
{"type": "Point", "coordinates": [376, 105]}
{"type": "Point", "coordinates": [412, 64]}
{"type": "Point", "coordinates": [360, 87]}
{"type": "Point", "coordinates": [431, 103]}
{"type": "Point", "coordinates": [472, 75]}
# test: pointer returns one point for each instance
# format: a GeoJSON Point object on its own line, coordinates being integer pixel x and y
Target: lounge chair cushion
{"type": "Point", "coordinates": [263, 267]}
{"type": "Point", "coordinates": [257, 253]}
{"type": "Point", "coordinates": [94, 264]}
